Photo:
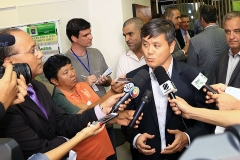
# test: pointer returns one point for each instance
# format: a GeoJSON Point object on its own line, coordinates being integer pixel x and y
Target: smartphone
{"type": "Point", "coordinates": [125, 80]}
{"type": "Point", "coordinates": [105, 119]}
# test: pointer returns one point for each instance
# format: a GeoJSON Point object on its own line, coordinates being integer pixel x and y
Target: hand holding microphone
{"type": "Point", "coordinates": [180, 107]}
{"type": "Point", "coordinates": [166, 85]}
{"type": "Point", "coordinates": [131, 89]}
{"type": "Point", "coordinates": [144, 101]}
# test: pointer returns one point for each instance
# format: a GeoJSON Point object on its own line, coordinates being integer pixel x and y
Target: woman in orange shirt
{"type": "Point", "coordinates": [75, 97]}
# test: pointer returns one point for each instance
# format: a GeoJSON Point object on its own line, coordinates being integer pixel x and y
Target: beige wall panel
{"type": "Point", "coordinates": [64, 10]}
{"type": "Point", "coordinates": [107, 29]}
{"type": "Point", "coordinates": [8, 16]}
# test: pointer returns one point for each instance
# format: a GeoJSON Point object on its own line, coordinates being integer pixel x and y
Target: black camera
{"type": "Point", "coordinates": [20, 69]}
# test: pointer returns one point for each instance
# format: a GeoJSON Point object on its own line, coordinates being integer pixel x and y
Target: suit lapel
{"type": "Point", "coordinates": [40, 95]}
{"type": "Point", "coordinates": [177, 46]}
{"type": "Point", "coordinates": [29, 103]}
{"type": "Point", "coordinates": [177, 80]}
{"type": "Point", "coordinates": [222, 70]}
{"type": "Point", "coordinates": [179, 39]}
{"type": "Point", "coordinates": [152, 104]}
{"type": "Point", "coordinates": [235, 72]}
{"type": "Point", "coordinates": [190, 32]}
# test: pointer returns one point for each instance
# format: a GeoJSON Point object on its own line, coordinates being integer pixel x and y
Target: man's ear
{"type": "Point", "coordinates": [54, 81]}
{"type": "Point", "coordinates": [172, 46]}
{"type": "Point", "coordinates": [74, 39]}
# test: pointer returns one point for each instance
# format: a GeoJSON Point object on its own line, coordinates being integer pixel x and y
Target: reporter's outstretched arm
{"type": "Point", "coordinates": [109, 103]}
{"type": "Point", "coordinates": [223, 100]}
{"type": "Point", "coordinates": [125, 117]}
{"type": "Point", "coordinates": [222, 118]}
{"type": "Point", "coordinates": [116, 88]}
{"type": "Point", "coordinates": [63, 149]}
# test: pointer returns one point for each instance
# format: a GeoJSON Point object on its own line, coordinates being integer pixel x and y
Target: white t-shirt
{"type": "Point", "coordinates": [128, 62]}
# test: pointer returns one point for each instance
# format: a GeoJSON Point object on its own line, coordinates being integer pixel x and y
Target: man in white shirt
{"type": "Point", "coordinates": [133, 58]}
{"type": "Point", "coordinates": [228, 65]}
{"type": "Point", "coordinates": [184, 33]}
{"type": "Point", "coordinates": [162, 134]}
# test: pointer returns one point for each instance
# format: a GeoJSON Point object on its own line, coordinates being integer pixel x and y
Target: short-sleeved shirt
{"type": "Point", "coordinates": [128, 62]}
{"type": "Point", "coordinates": [85, 94]}
{"type": "Point", "coordinates": [69, 101]}
{"type": "Point", "coordinates": [90, 148]}
{"type": "Point", "coordinates": [97, 65]}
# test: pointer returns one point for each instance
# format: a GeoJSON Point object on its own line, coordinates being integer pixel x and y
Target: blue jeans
{"type": "Point", "coordinates": [38, 156]}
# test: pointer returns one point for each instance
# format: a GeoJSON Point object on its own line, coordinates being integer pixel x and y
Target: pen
{"type": "Point", "coordinates": [84, 76]}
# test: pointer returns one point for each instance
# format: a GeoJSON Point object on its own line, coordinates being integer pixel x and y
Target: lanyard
{"type": "Point", "coordinates": [88, 69]}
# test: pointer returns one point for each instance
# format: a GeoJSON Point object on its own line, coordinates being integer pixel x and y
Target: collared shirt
{"type": "Point", "coordinates": [161, 104]}
{"type": "Point", "coordinates": [85, 95]}
{"type": "Point", "coordinates": [210, 26]}
{"type": "Point", "coordinates": [128, 62]}
{"type": "Point", "coordinates": [232, 63]}
{"type": "Point", "coordinates": [183, 35]}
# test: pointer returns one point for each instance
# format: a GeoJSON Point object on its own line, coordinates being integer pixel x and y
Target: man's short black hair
{"type": "Point", "coordinates": [209, 13]}
{"type": "Point", "coordinates": [75, 25]}
{"type": "Point", "coordinates": [158, 26]}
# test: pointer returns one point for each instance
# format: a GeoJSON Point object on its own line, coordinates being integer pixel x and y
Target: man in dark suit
{"type": "Point", "coordinates": [228, 65]}
{"type": "Point", "coordinates": [173, 14]}
{"type": "Point", "coordinates": [206, 47]}
{"type": "Point", "coordinates": [183, 34]}
{"type": "Point", "coordinates": [162, 134]}
{"type": "Point", "coordinates": [37, 124]}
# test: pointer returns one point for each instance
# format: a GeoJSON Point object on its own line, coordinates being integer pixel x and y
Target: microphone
{"type": "Point", "coordinates": [198, 80]}
{"type": "Point", "coordinates": [166, 85]}
{"type": "Point", "coordinates": [139, 80]}
{"type": "Point", "coordinates": [144, 101]}
{"type": "Point", "coordinates": [7, 40]}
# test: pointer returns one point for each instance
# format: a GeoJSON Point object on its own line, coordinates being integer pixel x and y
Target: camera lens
{"type": "Point", "coordinates": [24, 69]}
{"type": "Point", "coordinates": [20, 69]}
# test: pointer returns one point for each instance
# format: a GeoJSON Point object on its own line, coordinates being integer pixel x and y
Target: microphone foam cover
{"type": "Point", "coordinates": [141, 78]}
{"type": "Point", "coordinates": [190, 73]}
{"type": "Point", "coordinates": [147, 96]}
{"type": "Point", "coordinates": [7, 40]}
{"type": "Point", "coordinates": [161, 75]}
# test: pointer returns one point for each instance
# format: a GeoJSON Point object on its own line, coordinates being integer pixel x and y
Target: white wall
{"type": "Point", "coordinates": [107, 23]}
{"type": "Point", "coordinates": [105, 16]}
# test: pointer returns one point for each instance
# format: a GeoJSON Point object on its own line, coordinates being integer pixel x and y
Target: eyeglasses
{"type": "Point", "coordinates": [34, 51]}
